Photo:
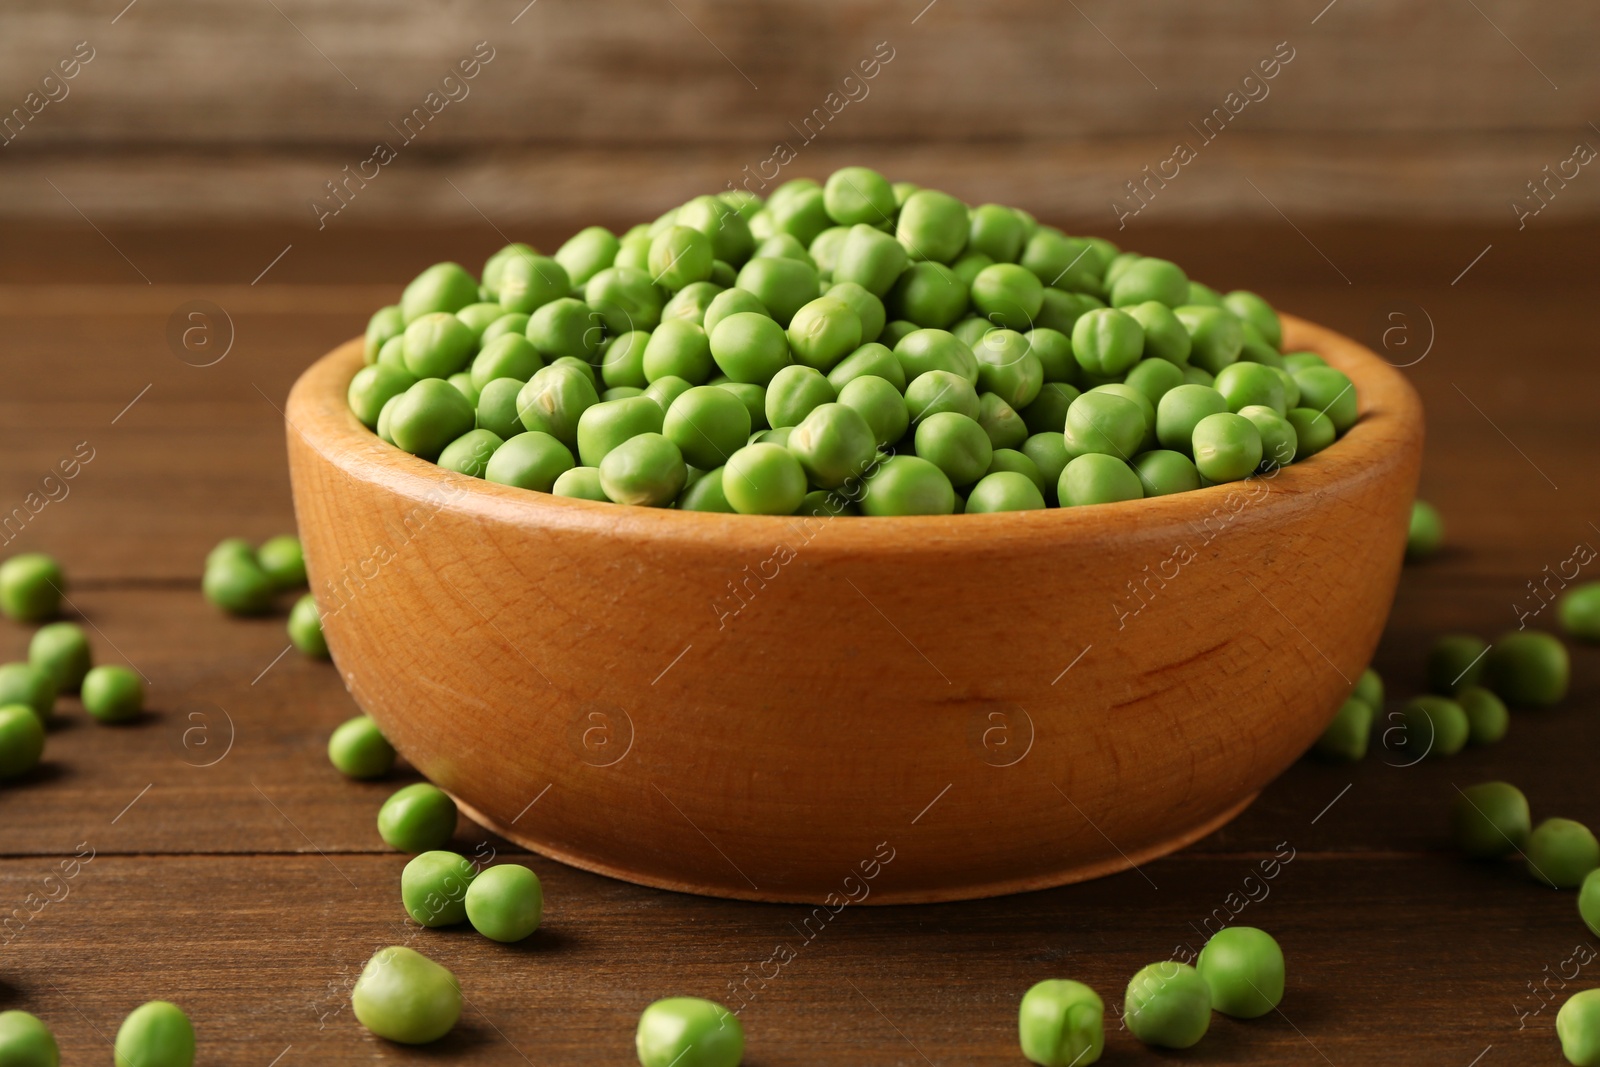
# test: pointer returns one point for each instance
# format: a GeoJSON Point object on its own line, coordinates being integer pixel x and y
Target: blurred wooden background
{"type": "Point", "coordinates": [202, 111]}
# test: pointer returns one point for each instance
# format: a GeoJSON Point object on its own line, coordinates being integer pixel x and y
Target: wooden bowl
{"type": "Point", "coordinates": [881, 710]}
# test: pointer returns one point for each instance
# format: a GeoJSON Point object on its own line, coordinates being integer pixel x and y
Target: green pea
{"type": "Point", "coordinates": [1165, 337]}
{"type": "Point", "coordinates": [1257, 312]}
{"type": "Point", "coordinates": [1369, 687]}
{"type": "Point", "coordinates": [21, 746]}
{"type": "Point", "coordinates": [442, 287]}
{"type": "Point", "coordinates": [418, 818]}
{"type": "Point", "coordinates": [155, 1034]}
{"type": "Point", "coordinates": [868, 308]}
{"type": "Point", "coordinates": [688, 1032]}
{"type": "Point", "coordinates": [824, 250]}
{"type": "Point", "coordinates": [1426, 531]}
{"type": "Point", "coordinates": [937, 390]}
{"type": "Point", "coordinates": [587, 253]}
{"type": "Point", "coordinates": [753, 397]}
{"type": "Point", "coordinates": [1001, 422]}
{"type": "Point", "coordinates": [803, 214]}
{"type": "Point", "coordinates": [1434, 726]}
{"type": "Point", "coordinates": [967, 267]}
{"type": "Point", "coordinates": [437, 345]}
{"type": "Point", "coordinates": [1061, 262]}
{"type": "Point", "coordinates": [877, 401]}
{"type": "Point", "coordinates": [1243, 968]}
{"type": "Point", "coordinates": [1053, 350]}
{"type": "Point", "coordinates": [1061, 311]}
{"type": "Point", "coordinates": [823, 332]}
{"type": "Point", "coordinates": [1346, 737]}
{"type": "Point", "coordinates": [462, 381]}
{"type": "Point", "coordinates": [1105, 423]}
{"type": "Point", "coordinates": [1148, 278]}
{"type": "Point", "coordinates": [497, 407]}
{"type": "Point", "coordinates": [393, 354]}
{"type": "Point", "coordinates": [30, 587]}
{"type": "Point", "coordinates": [404, 996]}
{"type": "Point", "coordinates": [430, 415]}
{"type": "Point", "coordinates": [625, 298]}
{"type": "Point", "coordinates": [645, 470]}
{"type": "Point", "coordinates": [1579, 611]}
{"type": "Point", "coordinates": [1455, 660]}
{"type": "Point", "coordinates": [749, 347]}
{"type": "Point", "coordinates": [283, 560]}
{"type": "Point", "coordinates": [25, 1041]}
{"type": "Point", "coordinates": [1255, 349]}
{"type": "Point", "coordinates": [956, 444]}
{"type": "Point", "coordinates": [1487, 718]}
{"type": "Point", "coordinates": [505, 903]}
{"type": "Point", "coordinates": [783, 286]}
{"type": "Point", "coordinates": [565, 327]}
{"type": "Point", "coordinates": [1312, 431]}
{"type": "Point", "coordinates": [858, 194]}
{"type": "Point", "coordinates": [494, 267]}
{"type": "Point", "coordinates": [386, 324]}
{"type": "Point", "coordinates": [634, 254]}
{"type": "Point", "coordinates": [997, 232]}
{"type": "Point", "coordinates": [1049, 408]}
{"type": "Point", "coordinates": [871, 359]}
{"type": "Point", "coordinates": [1048, 450]}
{"type": "Point", "coordinates": [679, 256]}
{"type": "Point", "coordinates": [510, 323]}
{"type": "Point", "coordinates": [794, 392]}
{"type": "Point", "coordinates": [1095, 478]}
{"type": "Point", "coordinates": [608, 424]}
{"type": "Point", "coordinates": [1155, 378]}
{"type": "Point", "coordinates": [477, 317]}
{"type": "Point", "coordinates": [667, 388]}
{"type": "Point", "coordinates": [764, 479]}
{"type": "Point", "coordinates": [896, 331]}
{"type": "Point", "coordinates": [1561, 853]}
{"type": "Point", "coordinates": [928, 294]}
{"type": "Point", "coordinates": [1330, 392]}
{"type": "Point", "coordinates": [373, 387]}
{"type": "Point", "coordinates": [554, 399]}
{"type": "Point", "coordinates": [1527, 668]}
{"type": "Point", "coordinates": [622, 359]}
{"type": "Point", "coordinates": [530, 282]}
{"type": "Point", "coordinates": [1107, 341]}
{"type": "Point", "coordinates": [1168, 1005]}
{"type": "Point", "coordinates": [1163, 472]}
{"type": "Point", "coordinates": [924, 350]}
{"type": "Point", "coordinates": [1578, 1027]}
{"type": "Point", "coordinates": [433, 888]}
{"type": "Point", "coordinates": [358, 749]}
{"type": "Point", "coordinates": [581, 483]}
{"type": "Point", "coordinates": [706, 494]}
{"type": "Point", "coordinates": [1008, 367]}
{"type": "Point", "coordinates": [833, 444]}
{"type": "Point", "coordinates": [1061, 1023]}
{"type": "Point", "coordinates": [731, 240]}
{"type": "Point", "coordinates": [1247, 384]}
{"type": "Point", "coordinates": [61, 651]}
{"type": "Point", "coordinates": [870, 258]}
{"type": "Point", "coordinates": [1295, 362]}
{"type": "Point", "coordinates": [1215, 335]}
{"type": "Point", "coordinates": [1004, 491]}
{"type": "Point", "coordinates": [1203, 296]}
{"type": "Point", "coordinates": [1279, 442]}
{"type": "Point", "coordinates": [1008, 295]}
{"type": "Point", "coordinates": [508, 356]}
{"type": "Point", "coordinates": [1119, 263]}
{"type": "Point", "coordinates": [1195, 376]}
{"type": "Point", "coordinates": [1014, 461]}
{"type": "Point", "coordinates": [731, 302]}
{"type": "Point", "coordinates": [305, 628]}
{"type": "Point", "coordinates": [690, 303]}
{"type": "Point", "coordinates": [532, 460]}
{"type": "Point", "coordinates": [908, 485]}
{"type": "Point", "coordinates": [238, 585]}
{"type": "Point", "coordinates": [1147, 410]}
{"type": "Point", "coordinates": [113, 693]}
{"type": "Point", "coordinates": [932, 226]}
{"type": "Point", "coordinates": [1589, 902]}
{"type": "Point", "coordinates": [708, 424]}
{"type": "Point", "coordinates": [1490, 820]}
{"type": "Point", "coordinates": [1227, 447]}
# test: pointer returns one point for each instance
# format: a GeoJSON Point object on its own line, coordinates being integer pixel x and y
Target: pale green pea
{"type": "Point", "coordinates": [1215, 336]}
{"type": "Point", "coordinates": [428, 416]}
{"type": "Point", "coordinates": [469, 454]}
{"type": "Point", "coordinates": [529, 282]}
{"type": "Point", "coordinates": [824, 249]}
{"type": "Point", "coordinates": [531, 460]}
{"type": "Point", "coordinates": [385, 324]}
{"type": "Point", "coordinates": [443, 287]}
{"type": "Point", "coordinates": [833, 443]}
{"type": "Point", "coordinates": [932, 226]}
{"type": "Point", "coordinates": [554, 399]}
{"type": "Point", "coordinates": [823, 332]}
{"type": "Point", "coordinates": [1243, 968]}
{"type": "Point", "coordinates": [1168, 1005]}
{"type": "Point", "coordinates": [305, 628]}
{"type": "Point", "coordinates": [417, 818]}
{"type": "Point", "coordinates": [1561, 853]}
{"type": "Point", "coordinates": [1246, 384]}
{"type": "Point", "coordinates": [155, 1034]}
{"type": "Point", "coordinates": [880, 404]}
{"type": "Point", "coordinates": [462, 381]}
{"type": "Point", "coordinates": [1048, 450]}
{"type": "Point", "coordinates": [749, 347]}
{"type": "Point", "coordinates": [678, 348]}
{"type": "Point", "coordinates": [508, 356]}
{"type": "Point", "coordinates": [928, 294]}
{"type": "Point", "coordinates": [764, 479]}
{"type": "Point", "coordinates": [1008, 368]}
{"type": "Point", "coordinates": [1257, 312]}
{"type": "Point", "coordinates": [706, 494]}
{"type": "Point", "coordinates": [923, 350]}
{"type": "Point", "coordinates": [1330, 392]}
{"type": "Point", "coordinates": [497, 407]}
{"type": "Point", "coordinates": [61, 651]}
{"type": "Point", "coordinates": [730, 302]}
{"type": "Point", "coordinates": [433, 888]}
{"type": "Point", "coordinates": [1095, 478]}
{"type": "Point", "coordinates": [1001, 421]}
{"type": "Point", "coordinates": [582, 483]}
{"type": "Point", "coordinates": [1279, 442]}
{"type": "Point", "coordinates": [688, 1032]}
{"type": "Point", "coordinates": [1312, 430]}
{"type": "Point", "coordinates": [565, 327]}
{"type": "Point", "coordinates": [868, 308]}
{"type": "Point", "coordinates": [937, 390]}
{"type": "Point", "coordinates": [870, 258]}
{"type": "Point", "coordinates": [1004, 491]}
{"type": "Point", "coordinates": [625, 298]}
{"type": "Point", "coordinates": [358, 749]}
{"type": "Point", "coordinates": [794, 392]}
{"type": "Point", "coordinates": [1162, 472]}
{"type": "Point", "coordinates": [645, 470]}
{"type": "Point", "coordinates": [505, 903]}
{"type": "Point", "coordinates": [996, 231]}
{"type": "Point", "coordinates": [783, 286]}
{"type": "Point", "coordinates": [1155, 378]}
{"type": "Point", "coordinates": [870, 359]}
{"type": "Point", "coordinates": [708, 424]}
{"type": "Point", "coordinates": [1148, 278]}
{"type": "Point", "coordinates": [494, 267]}
{"type": "Point", "coordinates": [404, 996]}
{"type": "Point", "coordinates": [690, 303]}
{"type": "Point", "coordinates": [908, 485]}
{"type": "Point", "coordinates": [587, 253]}
{"type": "Point", "coordinates": [725, 224]}
{"type": "Point", "coordinates": [21, 746]}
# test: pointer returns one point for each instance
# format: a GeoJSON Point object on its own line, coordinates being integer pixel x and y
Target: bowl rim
{"type": "Point", "coordinates": [1390, 415]}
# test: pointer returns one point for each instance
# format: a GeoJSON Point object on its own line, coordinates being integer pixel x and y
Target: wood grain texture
{"type": "Point", "coordinates": [203, 891]}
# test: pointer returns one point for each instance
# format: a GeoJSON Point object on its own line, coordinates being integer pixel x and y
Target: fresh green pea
{"type": "Point", "coordinates": [802, 215]}
{"type": "Point", "coordinates": [554, 399]}
{"type": "Point", "coordinates": [997, 232]}
{"type": "Point", "coordinates": [1008, 367]}
{"type": "Point", "coordinates": [749, 347]}
{"type": "Point", "coordinates": [1008, 295]}
{"type": "Point", "coordinates": [1165, 337]}
{"type": "Point", "coordinates": [393, 354]}
{"type": "Point", "coordinates": [1000, 421]}
{"type": "Point", "coordinates": [404, 996]}
{"type": "Point", "coordinates": [908, 485]}
{"type": "Point", "coordinates": [1168, 1005]}
{"type": "Point", "coordinates": [61, 651]}
{"type": "Point", "coordinates": [1048, 450]}
{"type": "Point", "coordinates": [1295, 362]}
{"type": "Point", "coordinates": [870, 258]}
{"type": "Point", "coordinates": [1243, 968]}
{"type": "Point", "coordinates": [497, 407]}
{"type": "Point", "coordinates": [428, 416]}
{"type": "Point", "coordinates": [688, 1032]}
{"type": "Point", "coordinates": [1107, 341]}
{"type": "Point", "coordinates": [1193, 375]}
{"type": "Point", "coordinates": [1053, 350]}
{"type": "Point", "coordinates": [418, 818]}
{"type": "Point", "coordinates": [1369, 687]}
{"type": "Point", "coordinates": [1527, 668]}
{"type": "Point", "coordinates": [1455, 660]}
{"type": "Point", "coordinates": [731, 240]}
{"type": "Point", "coordinates": [443, 287]}
{"type": "Point", "coordinates": [238, 585]}
{"type": "Point", "coordinates": [956, 444]}
{"type": "Point", "coordinates": [723, 276]}
{"type": "Point", "coordinates": [1257, 312]}
{"type": "Point", "coordinates": [469, 454]}
{"type": "Point", "coordinates": [896, 331]}
{"type": "Point", "coordinates": [868, 308]}
{"type": "Point", "coordinates": [794, 392]}
{"type": "Point", "coordinates": [970, 330]}
{"type": "Point", "coordinates": [667, 388]}
{"type": "Point", "coordinates": [1561, 853]}
{"type": "Point", "coordinates": [932, 226]}
{"type": "Point", "coordinates": [824, 249]}
{"type": "Point", "coordinates": [1425, 532]}
{"type": "Point", "coordinates": [1061, 1023]}
{"type": "Point", "coordinates": [1203, 296]}
{"type": "Point", "coordinates": [1096, 478]}
{"type": "Point", "coordinates": [783, 286]}
{"type": "Point", "coordinates": [1312, 431]}
{"type": "Point", "coordinates": [1226, 447]}
{"type": "Point", "coordinates": [1246, 384]}
{"type": "Point", "coordinates": [753, 397]}
{"type": "Point", "coordinates": [30, 587]}
{"type": "Point", "coordinates": [968, 266]}
{"type": "Point", "coordinates": [581, 483]}
{"type": "Point", "coordinates": [512, 323]}
{"type": "Point", "coordinates": [680, 349]}
{"type": "Point", "coordinates": [928, 294]}
{"type": "Point", "coordinates": [764, 479]}
{"type": "Point", "coordinates": [1148, 278]}
{"type": "Point", "coordinates": [358, 749]}
{"type": "Point", "coordinates": [1015, 461]}
{"type": "Point", "coordinates": [878, 402]}
{"type": "Point", "coordinates": [1579, 611]}
{"type": "Point", "coordinates": [679, 256]}
{"type": "Point", "coordinates": [924, 350]}
{"type": "Point", "coordinates": [870, 359]}
{"type": "Point", "coordinates": [433, 888]}
{"type": "Point", "coordinates": [155, 1034]}
{"type": "Point", "coordinates": [1163, 472]}
{"type": "Point", "coordinates": [1279, 442]}
{"type": "Point", "coordinates": [505, 903]}
{"type": "Point", "coordinates": [373, 387]}
{"type": "Point", "coordinates": [706, 494]}
{"type": "Point", "coordinates": [937, 390]}
{"type": "Point", "coordinates": [1434, 726]}
{"type": "Point", "coordinates": [477, 317]}
{"type": "Point", "coordinates": [25, 1041]}
{"type": "Point", "coordinates": [731, 302]}
{"type": "Point", "coordinates": [1330, 392]}
{"type": "Point", "coordinates": [823, 332]}
{"type": "Point", "coordinates": [1004, 491]}
{"type": "Point", "coordinates": [1155, 378]}
{"type": "Point", "coordinates": [833, 444]}
{"type": "Point", "coordinates": [1487, 718]}
{"type": "Point", "coordinates": [1119, 263]}
{"type": "Point", "coordinates": [622, 359]}
{"type": "Point", "coordinates": [386, 324]}
{"type": "Point", "coordinates": [1589, 902]}
{"type": "Point", "coordinates": [1061, 311]}
{"type": "Point", "coordinates": [587, 253]}
{"type": "Point", "coordinates": [529, 282]}
{"type": "Point", "coordinates": [462, 381]}
{"type": "Point", "coordinates": [1105, 423]}
{"type": "Point", "coordinates": [635, 251]}
{"type": "Point", "coordinates": [305, 628]}
{"type": "Point", "coordinates": [1346, 737]}
{"type": "Point", "coordinates": [507, 356]}
{"type": "Point", "coordinates": [1049, 408]}
{"type": "Point", "coordinates": [21, 746]}
{"type": "Point", "coordinates": [690, 303]}
{"type": "Point", "coordinates": [1215, 335]}
{"type": "Point", "coordinates": [565, 327]}
{"type": "Point", "coordinates": [858, 194]}
{"type": "Point", "coordinates": [708, 424]}
{"type": "Point", "coordinates": [494, 267]}
{"type": "Point", "coordinates": [1255, 348]}
{"type": "Point", "coordinates": [532, 460]}
{"type": "Point", "coordinates": [1578, 1027]}
{"type": "Point", "coordinates": [625, 298]}
{"type": "Point", "coordinates": [1490, 820]}
{"type": "Point", "coordinates": [113, 693]}
{"type": "Point", "coordinates": [1061, 262]}
{"type": "Point", "coordinates": [645, 470]}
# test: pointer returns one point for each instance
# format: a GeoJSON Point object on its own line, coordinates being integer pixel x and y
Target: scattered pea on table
{"type": "Point", "coordinates": [1061, 1023]}
{"type": "Point", "coordinates": [1426, 532]}
{"type": "Point", "coordinates": [25, 1041]}
{"type": "Point", "coordinates": [1579, 611]}
{"type": "Point", "coordinates": [420, 817]}
{"type": "Point", "coordinates": [1561, 853]}
{"type": "Point", "coordinates": [688, 1032]}
{"type": "Point", "coordinates": [434, 885]}
{"type": "Point", "coordinates": [1527, 668]}
{"type": "Point", "coordinates": [1490, 820]}
{"type": "Point", "coordinates": [30, 587]}
{"type": "Point", "coordinates": [21, 741]}
{"type": "Point", "coordinates": [358, 749]}
{"type": "Point", "coordinates": [404, 996]}
{"type": "Point", "coordinates": [113, 693]}
{"type": "Point", "coordinates": [1243, 968]}
{"type": "Point", "coordinates": [305, 628]}
{"type": "Point", "coordinates": [155, 1034]}
{"type": "Point", "coordinates": [1578, 1027]}
{"type": "Point", "coordinates": [61, 650]}
{"type": "Point", "coordinates": [1168, 1004]}
{"type": "Point", "coordinates": [505, 903]}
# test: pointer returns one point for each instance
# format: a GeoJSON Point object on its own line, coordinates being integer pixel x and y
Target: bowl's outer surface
{"type": "Point", "coordinates": [895, 710]}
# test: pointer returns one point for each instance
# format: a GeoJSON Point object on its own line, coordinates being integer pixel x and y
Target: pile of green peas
{"type": "Point", "coordinates": [848, 347]}
{"type": "Point", "coordinates": [242, 580]}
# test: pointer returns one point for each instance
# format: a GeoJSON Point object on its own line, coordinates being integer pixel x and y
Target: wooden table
{"type": "Point", "coordinates": [235, 872]}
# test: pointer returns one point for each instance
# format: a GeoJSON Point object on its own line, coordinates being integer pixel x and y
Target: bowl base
{"type": "Point", "coordinates": [944, 894]}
